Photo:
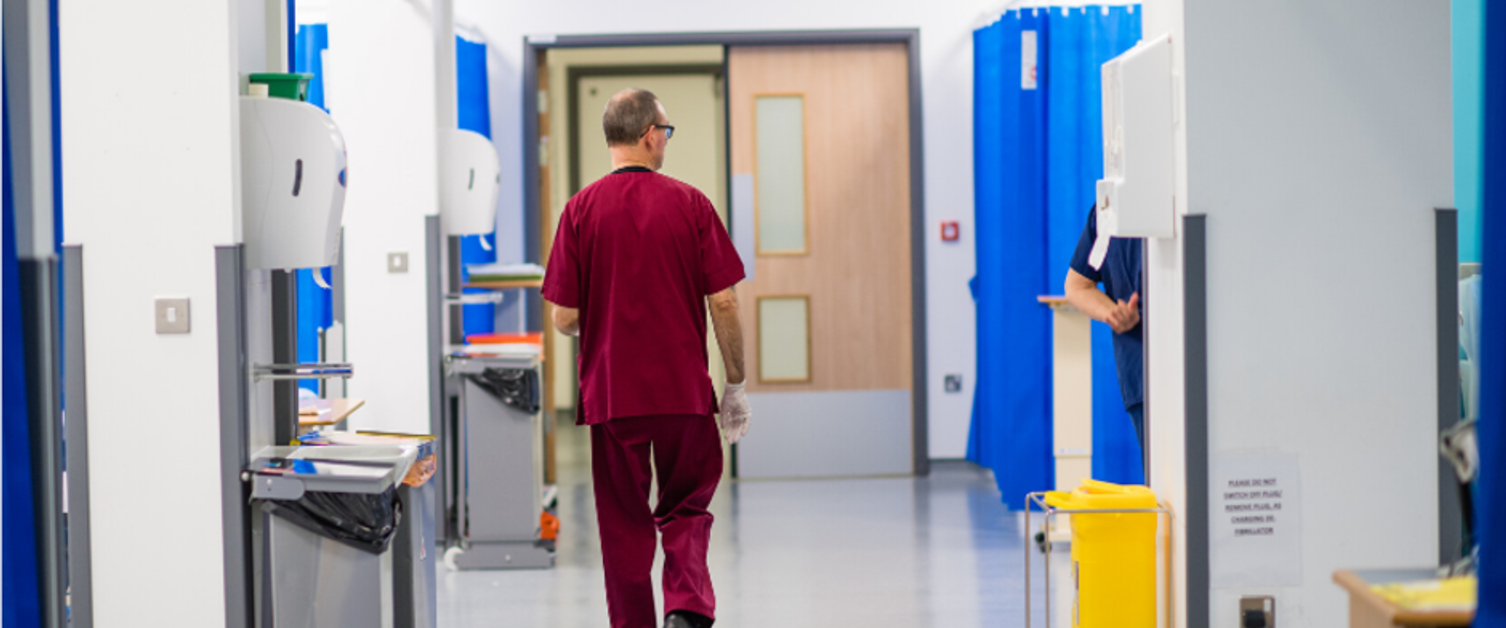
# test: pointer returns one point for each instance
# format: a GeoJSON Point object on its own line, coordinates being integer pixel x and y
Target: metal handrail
{"type": "Point", "coordinates": [474, 298]}
{"type": "Point", "coordinates": [282, 372]}
{"type": "Point", "coordinates": [1039, 499]}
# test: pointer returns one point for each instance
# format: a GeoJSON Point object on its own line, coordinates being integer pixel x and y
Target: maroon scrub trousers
{"type": "Point", "coordinates": [687, 453]}
{"type": "Point", "coordinates": [637, 253]}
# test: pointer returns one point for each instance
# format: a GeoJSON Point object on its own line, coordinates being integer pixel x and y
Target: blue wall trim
{"type": "Point", "coordinates": [20, 578]}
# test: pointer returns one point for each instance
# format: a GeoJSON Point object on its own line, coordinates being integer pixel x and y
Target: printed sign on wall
{"type": "Point", "coordinates": [1256, 522]}
{"type": "Point", "coordinates": [1027, 59]}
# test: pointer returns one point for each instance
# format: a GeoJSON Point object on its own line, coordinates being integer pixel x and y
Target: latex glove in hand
{"type": "Point", "coordinates": [735, 413]}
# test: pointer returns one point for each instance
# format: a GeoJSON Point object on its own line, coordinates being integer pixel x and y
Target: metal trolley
{"type": "Point", "coordinates": [493, 522]}
{"type": "Point", "coordinates": [1038, 499]}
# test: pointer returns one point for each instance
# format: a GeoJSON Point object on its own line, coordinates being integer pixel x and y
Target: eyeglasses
{"type": "Point", "coordinates": [669, 130]}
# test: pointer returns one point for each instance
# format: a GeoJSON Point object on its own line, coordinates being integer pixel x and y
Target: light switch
{"type": "Point", "coordinates": [172, 316]}
{"type": "Point", "coordinates": [397, 262]}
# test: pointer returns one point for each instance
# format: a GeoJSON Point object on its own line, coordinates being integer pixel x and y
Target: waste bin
{"type": "Point", "coordinates": [493, 434]}
{"type": "Point", "coordinates": [1113, 554]}
{"type": "Point", "coordinates": [323, 528]}
{"type": "Point", "coordinates": [413, 561]}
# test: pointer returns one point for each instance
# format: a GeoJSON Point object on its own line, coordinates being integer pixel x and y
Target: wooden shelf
{"type": "Point", "coordinates": [505, 285]}
{"type": "Point", "coordinates": [1056, 302]}
{"type": "Point", "coordinates": [338, 410]}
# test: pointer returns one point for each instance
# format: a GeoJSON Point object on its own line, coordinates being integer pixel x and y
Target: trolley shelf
{"type": "Point", "coordinates": [506, 284]}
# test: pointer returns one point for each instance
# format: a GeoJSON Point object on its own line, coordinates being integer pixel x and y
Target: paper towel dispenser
{"type": "Point", "coordinates": [1135, 196]}
{"type": "Point", "coordinates": [292, 184]}
{"type": "Point", "coordinates": [470, 178]}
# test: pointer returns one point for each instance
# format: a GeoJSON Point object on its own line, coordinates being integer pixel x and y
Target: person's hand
{"type": "Point", "coordinates": [1125, 315]}
{"type": "Point", "coordinates": [735, 413]}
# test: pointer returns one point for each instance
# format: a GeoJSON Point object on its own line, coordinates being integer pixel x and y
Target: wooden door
{"type": "Point", "coordinates": [820, 145]}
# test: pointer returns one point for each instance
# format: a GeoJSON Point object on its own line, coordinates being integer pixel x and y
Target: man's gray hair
{"type": "Point", "coordinates": [629, 113]}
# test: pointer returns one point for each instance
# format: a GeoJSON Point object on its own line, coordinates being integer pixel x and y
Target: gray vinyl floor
{"type": "Point", "coordinates": [904, 552]}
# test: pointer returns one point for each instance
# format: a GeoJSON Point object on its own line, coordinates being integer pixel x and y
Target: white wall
{"type": "Point", "coordinates": [1166, 415]}
{"type": "Point", "coordinates": [1319, 140]}
{"type": "Point", "coordinates": [383, 95]}
{"type": "Point", "coordinates": [947, 75]}
{"type": "Point", "coordinates": [150, 135]}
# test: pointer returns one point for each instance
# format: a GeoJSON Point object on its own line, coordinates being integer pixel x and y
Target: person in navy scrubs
{"type": "Point", "coordinates": [637, 257]}
{"type": "Point", "coordinates": [1118, 305]}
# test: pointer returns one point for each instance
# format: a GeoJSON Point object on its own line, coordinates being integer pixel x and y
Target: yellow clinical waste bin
{"type": "Point", "coordinates": [1113, 555]}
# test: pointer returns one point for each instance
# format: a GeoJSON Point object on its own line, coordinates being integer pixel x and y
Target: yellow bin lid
{"type": "Point", "coordinates": [1096, 495]}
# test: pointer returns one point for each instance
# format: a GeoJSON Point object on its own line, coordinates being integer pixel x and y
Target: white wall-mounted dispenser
{"type": "Point", "coordinates": [1135, 196]}
{"type": "Point", "coordinates": [469, 183]}
{"type": "Point", "coordinates": [292, 184]}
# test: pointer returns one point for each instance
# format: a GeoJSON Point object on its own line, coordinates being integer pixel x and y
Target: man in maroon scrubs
{"type": "Point", "coordinates": [635, 260]}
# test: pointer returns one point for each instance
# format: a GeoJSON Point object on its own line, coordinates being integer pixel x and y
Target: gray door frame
{"type": "Point", "coordinates": [910, 38]}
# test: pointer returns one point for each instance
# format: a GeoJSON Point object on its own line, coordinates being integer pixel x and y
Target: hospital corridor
{"type": "Point", "coordinates": [680, 314]}
{"type": "Point", "coordinates": [811, 552]}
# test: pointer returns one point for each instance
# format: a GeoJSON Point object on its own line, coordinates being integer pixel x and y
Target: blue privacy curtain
{"type": "Point", "coordinates": [1490, 517]}
{"type": "Point", "coordinates": [1036, 155]}
{"type": "Point", "coordinates": [315, 310]}
{"type": "Point", "coordinates": [474, 102]}
{"type": "Point", "coordinates": [1011, 424]}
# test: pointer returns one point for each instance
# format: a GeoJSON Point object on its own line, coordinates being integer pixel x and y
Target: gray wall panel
{"type": "Point", "coordinates": [827, 434]}
{"type": "Point", "coordinates": [80, 582]}
{"type": "Point", "coordinates": [1446, 246]}
{"type": "Point", "coordinates": [230, 330]}
{"type": "Point", "coordinates": [433, 253]}
{"type": "Point", "coordinates": [1195, 346]}
{"type": "Point", "coordinates": [44, 395]}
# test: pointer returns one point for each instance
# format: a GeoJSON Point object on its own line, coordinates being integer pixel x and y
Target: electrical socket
{"type": "Point", "coordinates": [1257, 611]}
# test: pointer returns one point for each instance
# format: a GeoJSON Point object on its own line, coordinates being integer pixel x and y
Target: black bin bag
{"type": "Point", "coordinates": [518, 388]}
{"type": "Point", "coordinates": [361, 520]}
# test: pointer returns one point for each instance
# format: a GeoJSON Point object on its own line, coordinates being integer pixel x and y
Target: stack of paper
{"type": "Point", "coordinates": [508, 349]}
{"type": "Point", "coordinates": [313, 407]}
{"type": "Point", "coordinates": [1457, 593]}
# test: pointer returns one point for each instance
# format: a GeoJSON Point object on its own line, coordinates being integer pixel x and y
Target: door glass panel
{"type": "Point", "coordinates": [779, 126]}
{"type": "Point", "coordinates": [784, 339]}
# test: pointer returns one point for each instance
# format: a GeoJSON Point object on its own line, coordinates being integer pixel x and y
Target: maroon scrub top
{"type": "Point", "coordinates": [637, 252]}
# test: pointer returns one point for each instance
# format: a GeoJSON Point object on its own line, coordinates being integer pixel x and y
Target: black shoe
{"type": "Point", "coordinates": [686, 619]}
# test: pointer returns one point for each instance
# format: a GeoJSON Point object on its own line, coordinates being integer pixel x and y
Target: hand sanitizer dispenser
{"type": "Point", "coordinates": [1135, 196]}
{"type": "Point", "coordinates": [469, 183]}
{"type": "Point", "coordinates": [292, 184]}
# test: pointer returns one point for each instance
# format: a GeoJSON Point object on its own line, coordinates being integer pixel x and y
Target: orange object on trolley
{"type": "Point", "coordinates": [549, 526]}
{"type": "Point", "coordinates": [420, 471]}
{"type": "Point", "coordinates": [499, 338]}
